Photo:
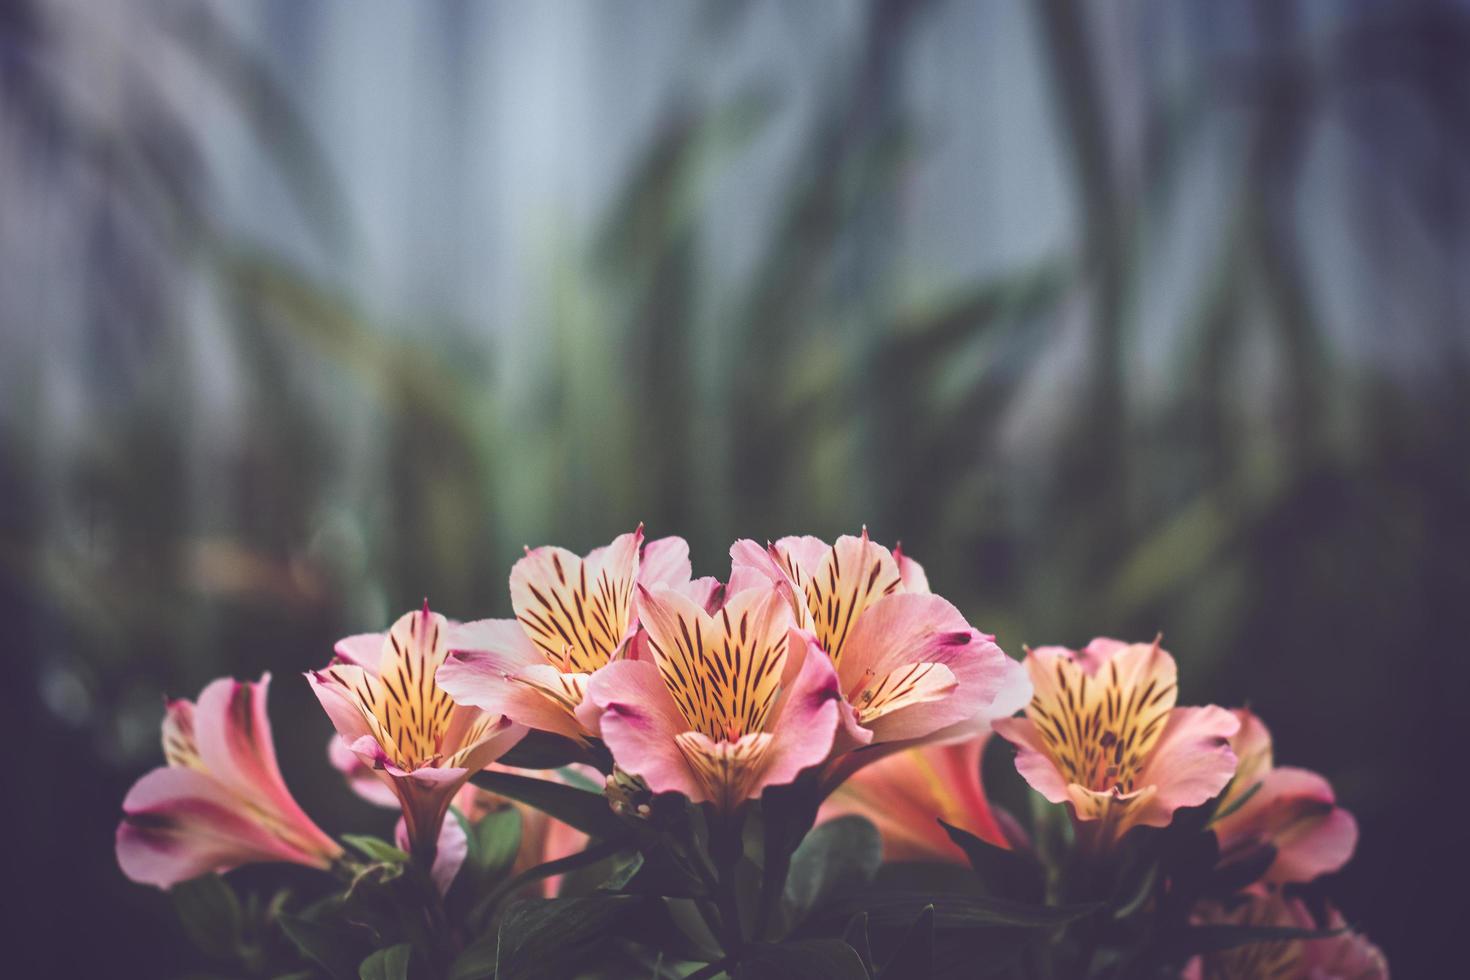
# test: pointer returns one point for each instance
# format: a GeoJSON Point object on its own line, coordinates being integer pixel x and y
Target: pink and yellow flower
{"type": "Point", "coordinates": [404, 726]}
{"type": "Point", "coordinates": [1291, 810]}
{"type": "Point", "coordinates": [220, 802]}
{"type": "Point", "coordinates": [1102, 733]}
{"type": "Point", "coordinates": [729, 704]}
{"type": "Point", "coordinates": [908, 664]}
{"type": "Point", "coordinates": [573, 616]}
{"type": "Point", "coordinates": [905, 795]}
{"type": "Point", "coordinates": [1345, 956]}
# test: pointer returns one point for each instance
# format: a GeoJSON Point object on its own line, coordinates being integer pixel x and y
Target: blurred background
{"type": "Point", "coordinates": [1124, 318]}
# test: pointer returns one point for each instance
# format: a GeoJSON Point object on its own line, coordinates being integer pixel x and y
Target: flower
{"type": "Point", "coordinates": [906, 795]}
{"type": "Point", "coordinates": [572, 617]}
{"type": "Point", "coordinates": [729, 703]}
{"type": "Point", "coordinates": [1291, 810]}
{"type": "Point", "coordinates": [908, 664]}
{"type": "Point", "coordinates": [220, 802]}
{"type": "Point", "coordinates": [1345, 956]}
{"type": "Point", "coordinates": [542, 837]}
{"type": "Point", "coordinates": [403, 725]}
{"type": "Point", "coordinates": [1102, 733]}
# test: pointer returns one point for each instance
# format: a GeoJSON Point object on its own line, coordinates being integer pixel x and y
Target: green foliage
{"type": "Point", "coordinates": [387, 964]}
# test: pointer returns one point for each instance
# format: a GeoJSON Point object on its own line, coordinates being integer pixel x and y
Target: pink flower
{"type": "Point", "coordinates": [573, 616]}
{"type": "Point", "coordinates": [542, 838]}
{"type": "Point", "coordinates": [1346, 956]}
{"type": "Point", "coordinates": [1102, 733]}
{"type": "Point", "coordinates": [1292, 810]}
{"type": "Point", "coordinates": [729, 703]}
{"type": "Point", "coordinates": [399, 722]}
{"type": "Point", "coordinates": [906, 795]}
{"type": "Point", "coordinates": [221, 801]}
{"type": "Point", "coordinates": [908, 664]}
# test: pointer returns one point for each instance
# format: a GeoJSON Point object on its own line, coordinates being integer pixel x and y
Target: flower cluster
{"type": "Point", "coordinates": [636, 734]}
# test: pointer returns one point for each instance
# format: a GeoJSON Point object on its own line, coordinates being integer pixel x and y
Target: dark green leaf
{"type": "Point", "coordinates": [1002, 872]}
{"type": "Point", "coordinates": [210, 913]}
{"type": "Point", "coordinates": [1134, 890]}
{"type": "Point", "coordinates": [856, 936]}
{"type": "Point", "coordinates": [330, 945]}
{"type": "Point", "coordinates": [556, 938]}
{"type": "Point", "coordinates": [478, 959]}
{"type": "Point", "coordinates": [1230, 878]}
{"type": "Point", "coordinates": [914, 956]}
{"type": "Point", "coordinates": [891, 909]}
{"type": "Point", "coordinates": [837, 858]}
{"type": "Point", "coordinates": [544, 750]}
{"type": "Point", "coordinates": [810, 959]}
{"type": "Point", "coordinates": [376, 849]}
{"type": "Point", "coordinates": [387, 964]}
{"type": "Point", "coordinates": [587, 812]}
{"type": "Point", "coordinates": [495, 842]}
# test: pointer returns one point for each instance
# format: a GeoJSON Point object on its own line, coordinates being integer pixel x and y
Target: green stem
{"type": "Point", "coordinates": [594, 853]}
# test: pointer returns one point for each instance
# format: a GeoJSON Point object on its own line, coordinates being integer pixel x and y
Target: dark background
{"type": "Point", "coordinates": [1123, 317]}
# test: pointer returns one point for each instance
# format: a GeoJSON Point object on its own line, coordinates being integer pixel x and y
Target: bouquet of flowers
{"type": "Point", "coordinates": [646, 774]}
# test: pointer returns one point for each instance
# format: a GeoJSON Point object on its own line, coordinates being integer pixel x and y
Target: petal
{"type": "Point", "coordinates": [639, 723]}
{"type": "Point", "coordinates": [753, 566]}
{"type": "Point", "coordinates": [899, 633]}
{"type": "Point", "coordinates": [453, 847]}
{"type": "Point", "coordinates": [724, 671]}
{"type": "Point", "coordinates": [1191, 762]}
{"type": "Point", "coordinates": [906, 795]}
{"type": "Point", "coordinates": [910, 572]}
{"type": "Point", "coordinates": [359, 775]}
{"type": "Point", "coordinates": [1033, 758]}
{"type": "Point", "coordinates": [665, 561]}
{"type": "Point", "coordinates": [805, 724]}
{"type": "Point", "coordinates": [179, 746]}
{"type": "Point", "coordinates": [531, 692]}
{"type": "Point", "coordinates": [410, 706]}
{"type": "Point", "coordinates": [343, 691]}
{"type": "Point", "coordinates": [232, 732]}
{"type": "Point", "coordinates": [1294, 810]}
{"type": "Point", "coordinates": [727, 773]}
{"type": "Point", "coordinates": [854, 574]}
{"type": "Point", "coordinates": [578, 612]}
{"type": "Point", "coordinates": [179, 824]}
{"type": "Point", "coordinates": [363, 650]}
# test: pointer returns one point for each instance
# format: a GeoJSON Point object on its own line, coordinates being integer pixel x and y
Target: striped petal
{"type": "Point", "coordinates": [578, 612]}
{"type": "Point", "coordinates": [723, 671]}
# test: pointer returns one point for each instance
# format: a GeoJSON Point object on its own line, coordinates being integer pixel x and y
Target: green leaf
{"type": "Point", "coordinates": [556, 938]}
{"type": "Point", "coordinates": [586, 811]}
{"type": "Point", "coordinates": [330, 945]}
{"type": "Point", "coordinates": [856, 936]}
{"type": "Point", "coordinates": [897, 909]}
{"type": "Point", "coordinates": [376, 849]}
{"type": "Point", "coordinates": [477, 961]}
{"type": "Point", "coordinates": [495, 842]}
{"type": "Point", "coordinates": [914, 956]}
{"type": "Point", "coordinates": [838, 858]}
{"type": "Point", "coordinates": [810, 959]}
{"type": "Point", "coordinates": [1002, 872]}
{"type": "Point", "coordinates": [210, 913]}
{"type": "Point", "coordinates": [387, 964]}
{"type": "Point", "coordinates": [544, 750]}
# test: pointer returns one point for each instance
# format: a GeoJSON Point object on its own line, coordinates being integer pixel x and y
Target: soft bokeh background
{"type": "Point", "coordinates": [1123, 317]}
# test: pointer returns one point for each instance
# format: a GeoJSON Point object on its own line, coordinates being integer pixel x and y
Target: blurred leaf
{"type": "Point", "coordinates": [210, 913]}
{"type": "Point", "coordinates": [809, 959]}
{"type": "Point", "coordinates": [544, 750]}
{"type": "Point", "coordinates": [587, 812]}
{"type": "Point", "coordinates": [914, 956]}
{"type": "Point", "coordinates": [332, 945]}
{"type": "Point", "coordinates": [837, 858]}
{"type": "Point", "coordinates": [856, 936]}
{"type": "Point", "coordinates": [376, 849]}
{"type": "Point", "coordinates": [387, 964]}
{"type": "Point", "coordinates": [557, 937]}
{"type": "Point", "coordinates": [1002, 872]}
